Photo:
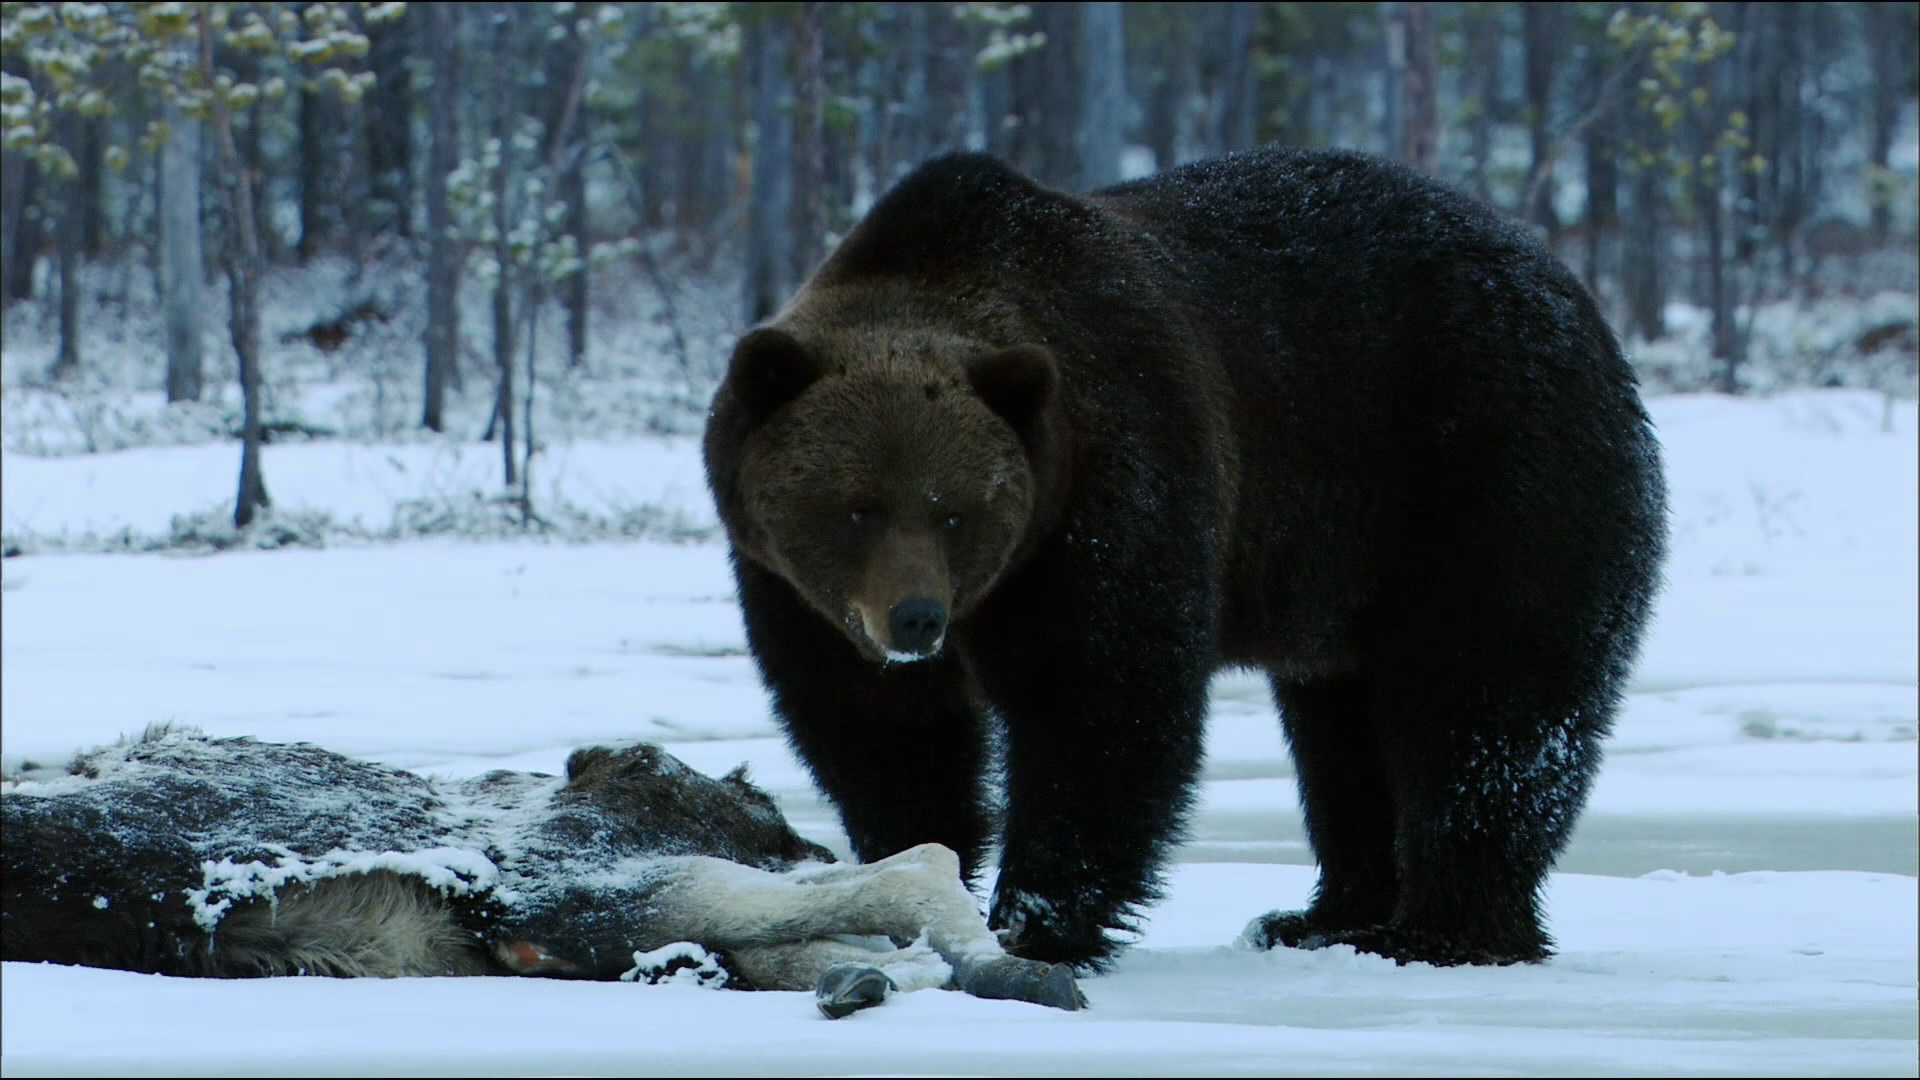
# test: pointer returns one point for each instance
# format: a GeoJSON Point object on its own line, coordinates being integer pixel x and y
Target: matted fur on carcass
{"type": "Point", "coordinates": [181, 854]}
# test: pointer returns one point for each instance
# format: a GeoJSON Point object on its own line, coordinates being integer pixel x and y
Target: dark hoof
{"type": "Point", "coordinates": [845, 989]}
{"type": "Point", "coordinates": [1059, 990]}
{"type": "Point", "coordinates": [1014, 979]}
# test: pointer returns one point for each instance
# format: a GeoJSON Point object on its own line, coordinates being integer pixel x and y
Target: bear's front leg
{"type": "Point", "coordinates": [898, 749]}
{"type": "Point", "coordinates": [1104, 737]}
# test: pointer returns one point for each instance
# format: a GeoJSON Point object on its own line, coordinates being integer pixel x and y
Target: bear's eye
{"type": "Point", "coordinates": [863, 515]}
{"type": "Point", "coordinates": [950, 523]}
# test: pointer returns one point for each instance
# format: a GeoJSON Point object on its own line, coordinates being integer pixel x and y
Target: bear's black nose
{"type": "Point", "coordinates": [916, 624]}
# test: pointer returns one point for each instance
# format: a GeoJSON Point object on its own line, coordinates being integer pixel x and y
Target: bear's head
{"type": "Point", "coordinates": [886, 472]}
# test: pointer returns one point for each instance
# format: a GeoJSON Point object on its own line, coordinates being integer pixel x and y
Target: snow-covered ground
{"type": "Point", "coordinates": [1740, 898]}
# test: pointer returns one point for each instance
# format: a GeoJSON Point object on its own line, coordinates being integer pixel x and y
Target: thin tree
{"type": "Point", "coordinates": [504, 269]}
{"type": "Point", "coordinates": [1045, 98]}
{"type": "Point", "coordinates": [20, 219]}
{"type": "Point", "coordinates": [948, 78]}
{"type": "Point", "coordinates": [1171, 76]}
{"type": "Point", "coordinates": [1103, 81]}
{"type": "Point", "coordinates": [1891, 29]}
{"type": "Point", "coordinates": [92, 196]}
{"type": "Point", "coordinates": [1603, 191]}
{"type": "Point", "coordinates": [443, 252]}
{"type": "Point", "coordinates": [313, 129]}
{"type": "Point", "coordinates": [244, 264]}
{"type": "Point", "coordinates": [566, 56]}
{"type": "Point", "coordinates": [1710, 182]}
{"type": "Point", "coordinates": [809, 142]}
{"type": "Point", "coordinates": [67, 242]}
{"type": "Point", "coordinates": [181, 259]}
{"type": "Point", "coordinates": [388, 122]}
{"type": "Point", "coordinates": [1419, 82]}
{"type": "Point", "coordinates": [1237, 100]}
{"type": "Point", "coordinates": [1541, 25]}
{"type": "Point", "coordinates": [769, 224]}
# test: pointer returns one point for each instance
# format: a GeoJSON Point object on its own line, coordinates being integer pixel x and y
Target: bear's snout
{"type": "Point", "coordinates": [916, 625]}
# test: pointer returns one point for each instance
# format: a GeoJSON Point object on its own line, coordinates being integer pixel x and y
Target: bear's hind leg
{"type": "Point", "coordinates": [1349, 808]}
{"type": "Point", "coordinates": [1491, 768]}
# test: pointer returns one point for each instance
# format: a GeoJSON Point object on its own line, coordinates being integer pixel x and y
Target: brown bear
{"type": "Point", "coordinates": [1023, 469]}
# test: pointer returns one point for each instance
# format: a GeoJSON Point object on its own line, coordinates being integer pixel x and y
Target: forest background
{"type": "Point", "coordinates": [541, 223]}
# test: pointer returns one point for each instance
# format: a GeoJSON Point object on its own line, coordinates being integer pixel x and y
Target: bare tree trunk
{"type": "Point", "coordinates": [13, 188]}
{"type": "Point", "coordinates": [566, 80]}
{"type": "Point", "coordinates": [1760, 70]}
{"type": "Point", "coordinates": [1103, 81]}
{"type": "Point", "coordinates": [1239, 81]}
{"type": "Point", "coordinates": [249, 127]}
{"type": "Point", "coordinates": [1485, 69]}
{"type": "Point", "coordinates": [310, 148]}
{"type": "Point", "coordinates": [1787, 176]}
{"type": "Point", "coordinates": [1719, 295]}
{"type": "Point", "coordinates": [25, 224]}
{"type": "Point", "coordinates": [1603, 186]}
{"type": "Point", "coordinates": [67, 266]}
{"type": "Point", "coordinates": [92, 156]}
{"type": "Point", "coordinates": [1393, 55]}
{"type": "Point", "coordinates": [1709, 181]}
{"type": "Point", "coordinates": [503, 367]}
{"type": "Point", "coordinates": [1892, 87]}
{"type": "Point", "coordinates": [527, 516]}
{"type": "Point", "coordinates": [880, 79]}
{"type": "Point", "coordinates": [313, 163]}
{"type": "Point", "coordinates": [839, 152]}
{"type": "Point", "coordinates": [704, 148]}
{"type": "Point", "coordinates": [1420, 128]}
{"type": "Point", "coordinates": [389, 114]}
{"type": "Point", "coordinates": [67, 261]}
{"type": "Point", "coordinates": [1542, 23]}
{"type": "Point", "coordinates": [809, 142]}
{"type": "Point", "coordinates": [243, 273]}
{"type": "Point", "coordinates": [573, 189]}
{"type": "Point", "coordinates": [182, 259]}
{"type": "Point", "coordinates": [948, 78]}
{"type": "Point", "coordinates": [1641, 279]}
{"type": "Point", "coordinates": [505, 272]}
{"type": "Point", "coordinates": [1166, 103]}
{"type": "Point", "coordinates": [443, 254]}
{"type": "Point", "coordinates": [997, 110]}
{"type": "Point", "coordinates": [769, 228]}
{"type": "Point", "coordinates": [1046, 98]}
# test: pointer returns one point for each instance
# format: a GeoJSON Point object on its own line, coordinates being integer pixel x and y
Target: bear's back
{"type": "Point", "coordinates": [1348, 260]}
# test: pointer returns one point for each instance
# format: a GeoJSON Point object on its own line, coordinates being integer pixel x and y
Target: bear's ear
{"type": "Point", "coordinates": [1017, 383]}
{"type": "Point", "coordinates": [770, 368]}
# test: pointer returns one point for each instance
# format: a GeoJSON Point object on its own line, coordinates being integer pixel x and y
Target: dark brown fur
{"type": "Point", "coordinates": [1305, 411]}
